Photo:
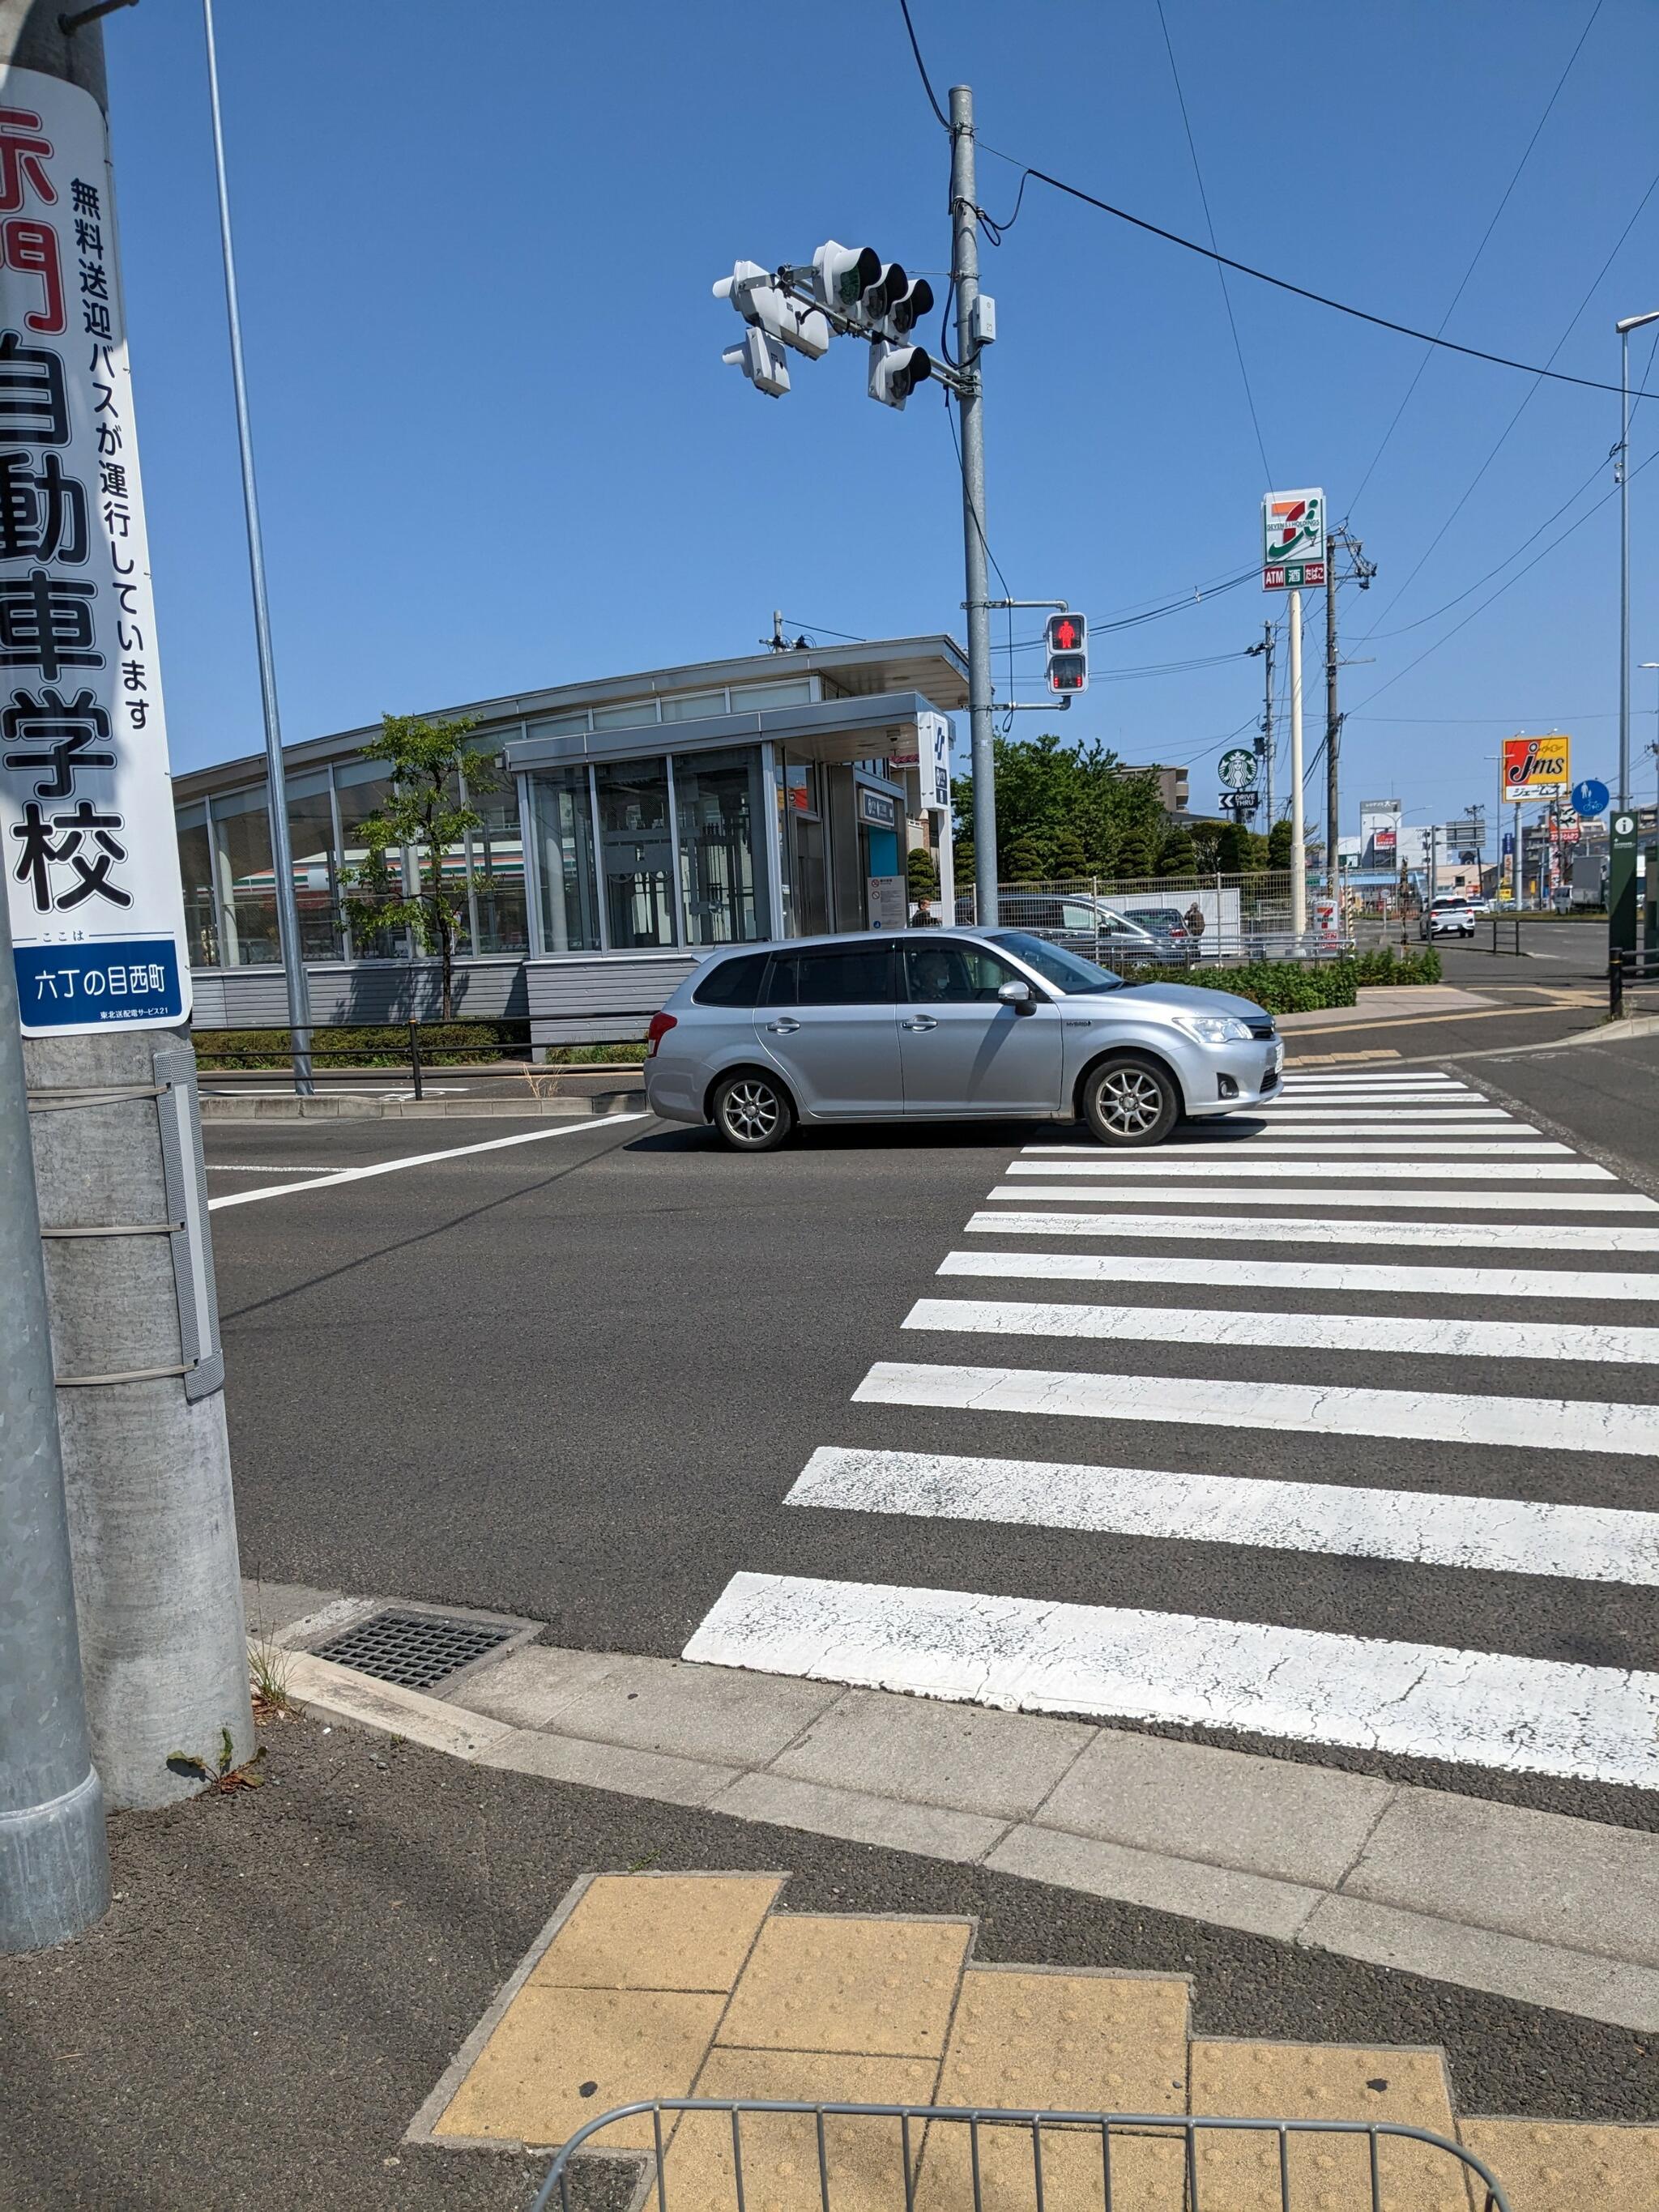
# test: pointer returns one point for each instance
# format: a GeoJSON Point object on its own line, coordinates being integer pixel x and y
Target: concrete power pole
{"type": "Point", "coordinates": [1298, 824]}
{"type": "Point", "coordinates": [964, 269]}
{"type": "Point", "coordinates": [116, 1151]}
{"type": "Point", "coordinates": [1333, 738]}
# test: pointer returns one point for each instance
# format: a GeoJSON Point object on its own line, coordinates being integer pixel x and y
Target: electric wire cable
{"type": "Point", "coordinates": [1209, 224]}
{"type": "Point", "coordinates": [944, 120]}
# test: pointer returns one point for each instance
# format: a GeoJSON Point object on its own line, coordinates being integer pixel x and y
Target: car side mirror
{"type": "Point", "coordinates": [1018, 996]}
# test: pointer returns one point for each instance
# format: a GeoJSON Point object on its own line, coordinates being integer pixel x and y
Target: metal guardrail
{"type": "Point", "coordinates": [1114, 2144]}
{"type": "Point", "coordinates": [1625, 968]}
{"type": "Point", "coordinates": [212, 1043]}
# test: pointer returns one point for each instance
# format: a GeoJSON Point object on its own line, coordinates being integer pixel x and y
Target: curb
{"type": "Point", "coordinates": [345, 1106]}
{"type": "Point", "coordinates": [1388, 1919]}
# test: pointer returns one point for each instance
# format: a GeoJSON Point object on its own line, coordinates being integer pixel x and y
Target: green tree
{"type": "Point", "coordinates": [922, 873]}
{"type": "Point", "coordinates": [1278, 845]}
{"type": "Point", "coordinates": [425, 819]}
{"type": "Point", "coordinates": [1026, 860]}
{"type": "Point", "coordinates": [1066, 855]}
{"type": "Point", "coordinates": [1177, 856]}
{"type": "Point", "coordinates": [1232, 849]}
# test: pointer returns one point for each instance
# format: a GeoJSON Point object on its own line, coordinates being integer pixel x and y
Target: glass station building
{"type": "Point", "coordinates": [636, 823]}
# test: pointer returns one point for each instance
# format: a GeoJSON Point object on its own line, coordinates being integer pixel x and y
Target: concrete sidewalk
{"type": "Point", "coordinates": [1529, 1905]}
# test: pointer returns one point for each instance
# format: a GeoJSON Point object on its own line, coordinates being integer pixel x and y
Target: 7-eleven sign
{"type": "Point", "coordinates": [1292, 540]}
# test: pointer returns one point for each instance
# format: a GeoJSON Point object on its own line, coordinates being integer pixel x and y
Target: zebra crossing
{"type": "Point", "coordinates": [1372, 1468]}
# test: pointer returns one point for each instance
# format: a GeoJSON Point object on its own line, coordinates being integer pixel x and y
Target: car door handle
{"type": "Point", "coordinates": [786, 1027]}
{"type": "Point", "coordinates": [920, 1022]}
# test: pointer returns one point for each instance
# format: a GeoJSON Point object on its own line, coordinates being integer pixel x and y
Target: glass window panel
{"type": "Point", "coordinates": [316, 883]}
{"type": "Point", "coordinates": [195, 873]}
{"type": "Point", "coordinates": [859, 975]}
{"type": "Point", "coordinates": [733, 982]}
{"type": "Point", "coordinates": [637, 854]}
{"type": "Point", "coordinates": [564, 815]}
{"type": "Point", "coordinates": [793, 691]}
{"type": "Point", "coordinates": [721, 805]}
{"type": "Point", "coordinates": [247, 882]}
{"type": "Point", "coordinates": [956, 974]}
{"type": "Point", "coordinates": [498, 869]}
{"type": "Point", "coordinates": [558, 726]}
{"type": "Point", "coordinates": [693, 706]}
{"type": "Point", "coordinates": [362, 788]}
{"type": "Point", "coordinates": [626, 717]}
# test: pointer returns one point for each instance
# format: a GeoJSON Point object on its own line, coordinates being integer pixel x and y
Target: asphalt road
{"type": "Point", "coordinates": [574, 1377]}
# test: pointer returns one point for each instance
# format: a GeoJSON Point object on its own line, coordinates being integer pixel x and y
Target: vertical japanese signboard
{"type": "Point", "coordinates": [86, 801]}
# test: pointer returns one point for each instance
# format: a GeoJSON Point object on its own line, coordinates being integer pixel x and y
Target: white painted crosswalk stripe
{"type": "Point", "coordinates": [1407, 1119]}
{"type": "Point", "coordinates": [1210, 1229]}
{"type": "Point", "coordinates": [1418, 1700]}
{"type": "Point", "coordinates": [1296, 1147]}
{"type": "Point", "coordinates": [1236, 1160]}
{"type": "Point", "coordinates": [1562, 1425]}
{"type": "Point", "coordinates": [1309, 1275]}
{"type": "Point", "coordinates": [1399, 1202]}
{"type": "Point", "coordinates": [1290, 1128]}
{"type": "Point", "coordinates": [1310, 1095]}
{"type": "Point", "coordinates": [1435, 1336]}
{"type": "Point", "coordinates": [1502, 1535]}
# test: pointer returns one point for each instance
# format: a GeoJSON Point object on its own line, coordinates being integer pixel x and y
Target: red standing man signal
{"type": "Point", "coordinates": [1067, 644]}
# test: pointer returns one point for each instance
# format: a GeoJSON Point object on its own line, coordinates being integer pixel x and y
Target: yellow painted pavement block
{"type": "Point", "coordinates": [1080, 2042]}
{"type": "Point", "coordinates": [864, 2157]}
{"type": "Point", "coordinates": [1315, 2082]}
{"type": "Point", "coordinates": [658, 1932]}
{"type": "Point", "coordinates": [821, 1982]}
{"type": "Point", "coordinates": [1569, 2165]}
{"type": "Point", "coordinates": [559, 2056]}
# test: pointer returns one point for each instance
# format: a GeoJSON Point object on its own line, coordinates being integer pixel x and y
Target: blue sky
{"type": "Point", "coordinates": [498, 449]}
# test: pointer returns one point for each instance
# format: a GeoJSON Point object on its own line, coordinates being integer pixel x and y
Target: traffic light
{"type": "Point", "coordinates": [1066, 644]}
{"type": "Point", "coordinates": [775, 321]}
{"type": "Point", "coordinates": [896, 371]}
{"type": "Point", "coordinates": [906, 309]}
{"type": "Point", "coordinates": [889, 285]}
{"type": "Point", "coordinates": [842, 274]}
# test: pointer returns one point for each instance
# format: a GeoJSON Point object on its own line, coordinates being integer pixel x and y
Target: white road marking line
{"type": "Point", "coordinates": [422, 1159]}
{"type": "Point", "coordinates": [1213, 1229]}
{"type": "Point", "coordinates": [1420, 1700]}
{"type": "Point", "coordinates": [248, 1167]}
{"type": "Point", "coordinates": [1436, 1336]}
{"type": "Point", "coordinates": [1306, 1274]}
{"type": "Point", "coordinates": [1397, 1202]}
{"type": "Point", "coordinates": [1361, 1078]}
{"type": "Point", "coordinates": [1315, 1409]}
{"type": "Point", "coordinates": [1165, 1162]}
{"type": "Point", "coordinates": [1313, 1094]}
{"type": "Point", "coordinates": [1454, 1126]}
{"type": "Point", "coordinates": [1496, 1536]}
{"type": "Point", "coordinates": [1298, 1146]}
{"type": "Point", "coordinates": [1360, 1118]}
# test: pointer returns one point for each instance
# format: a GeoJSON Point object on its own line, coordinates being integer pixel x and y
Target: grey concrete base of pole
{"type": "Point", "coordinates": [54, 1863]}
{"type": "Point", "coordinates": [146, 1462]}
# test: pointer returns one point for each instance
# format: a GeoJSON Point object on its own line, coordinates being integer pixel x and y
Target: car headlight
{"type": "Point", "coordinates": [1214, 1029]}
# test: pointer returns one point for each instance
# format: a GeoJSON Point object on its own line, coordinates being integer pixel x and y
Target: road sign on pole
{"type": "Point", "coordinates": [1590, 798]}
{"type": "Point", "coordinates": [1292, 540]}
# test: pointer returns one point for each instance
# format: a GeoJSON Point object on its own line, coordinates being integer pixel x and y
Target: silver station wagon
{"type": "Point", "coordinates": [936, 1024]}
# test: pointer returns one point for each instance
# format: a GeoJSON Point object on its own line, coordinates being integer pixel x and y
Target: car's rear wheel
{"type": "Point", "coordinates": [1127, 1100]}
{"type": "Point", "coordinates": [752, 1111]}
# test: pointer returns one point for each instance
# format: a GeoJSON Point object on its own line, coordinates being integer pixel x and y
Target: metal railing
{"type": "Point", "coordinates": [1105, 2159]}
{"type": "Point", "coordinates": [1244, 917]}
{"type": "Point", "coordinates": [1626, 968]}
{"type": "Point", "coordinates": [213, 1046]}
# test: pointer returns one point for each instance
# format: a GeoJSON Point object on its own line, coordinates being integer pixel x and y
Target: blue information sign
{"type": "Point", "coordinates": [1589, 798]}
{"type": "Point", "coordinates": [81, 986]}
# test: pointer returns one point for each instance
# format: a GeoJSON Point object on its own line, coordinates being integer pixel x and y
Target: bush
{"type": "Point", "coordinates": [367, 1047]}
{"type": "Point", "coordinates": [1288, 987]}
{"type": "Point", "coordinates": [1387, 967]}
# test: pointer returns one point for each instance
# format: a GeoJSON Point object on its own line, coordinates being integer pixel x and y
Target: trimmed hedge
{"type": "Point", "coordinates": [368, 1047]}
{"type": "Point", "coordinates": [1287, 986]}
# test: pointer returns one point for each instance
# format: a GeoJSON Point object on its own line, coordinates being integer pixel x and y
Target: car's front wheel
{"type": "Point", "coordinates": [1129, 1101]}
{"type": "Point", "coordinates": [752, 1112]}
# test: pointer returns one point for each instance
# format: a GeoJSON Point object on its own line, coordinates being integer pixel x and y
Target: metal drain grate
{"type": "Point", "coordinates": [414, 1649]}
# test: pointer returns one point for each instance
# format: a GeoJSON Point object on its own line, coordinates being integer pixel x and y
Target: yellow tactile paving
{"type": "Point", "coordinates": [559, 2057]}
{"type": "Point", "coordinates": [1566, 2165]}
{"type": "Point", "coordinates": [658, 1932]}
{"type": "Point", "coordinates": [1325, 2082]}
{"type": "Point", "coordinates": [823, 1982]}
{"type": "Point", "coordinates": [1081, 2042]}
{"type": "Point", "coordinates": [864, 2157]}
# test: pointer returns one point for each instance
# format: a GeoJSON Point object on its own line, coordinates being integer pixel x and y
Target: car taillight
{"type": "Point", "coordinates": [660, 1026]}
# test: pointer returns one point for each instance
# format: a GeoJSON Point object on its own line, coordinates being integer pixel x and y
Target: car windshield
{"type": "Point", "coordinates": [1065, 970]}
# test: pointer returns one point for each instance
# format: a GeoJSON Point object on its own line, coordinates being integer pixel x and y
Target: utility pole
{"type": "Point", "coordinates": [112, 1113]}
{"type": "Point", "coordinates": [54, 1863]}
{"type": "Point", "coordinates": [964, 272]}
{"type": "Point", "coordinates": [1264, 744]}
{"type": "Point", "coordinates": [1333, 733]}
{"type": "Point", "coordinates": [1298, 826]}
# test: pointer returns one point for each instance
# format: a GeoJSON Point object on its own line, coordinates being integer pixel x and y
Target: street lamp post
{"type": "Point", "coordinates": [1631, 323]}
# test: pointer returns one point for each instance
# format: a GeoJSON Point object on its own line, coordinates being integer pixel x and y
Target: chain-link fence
{"type": "Point", "coordinates": [1175, 920]}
